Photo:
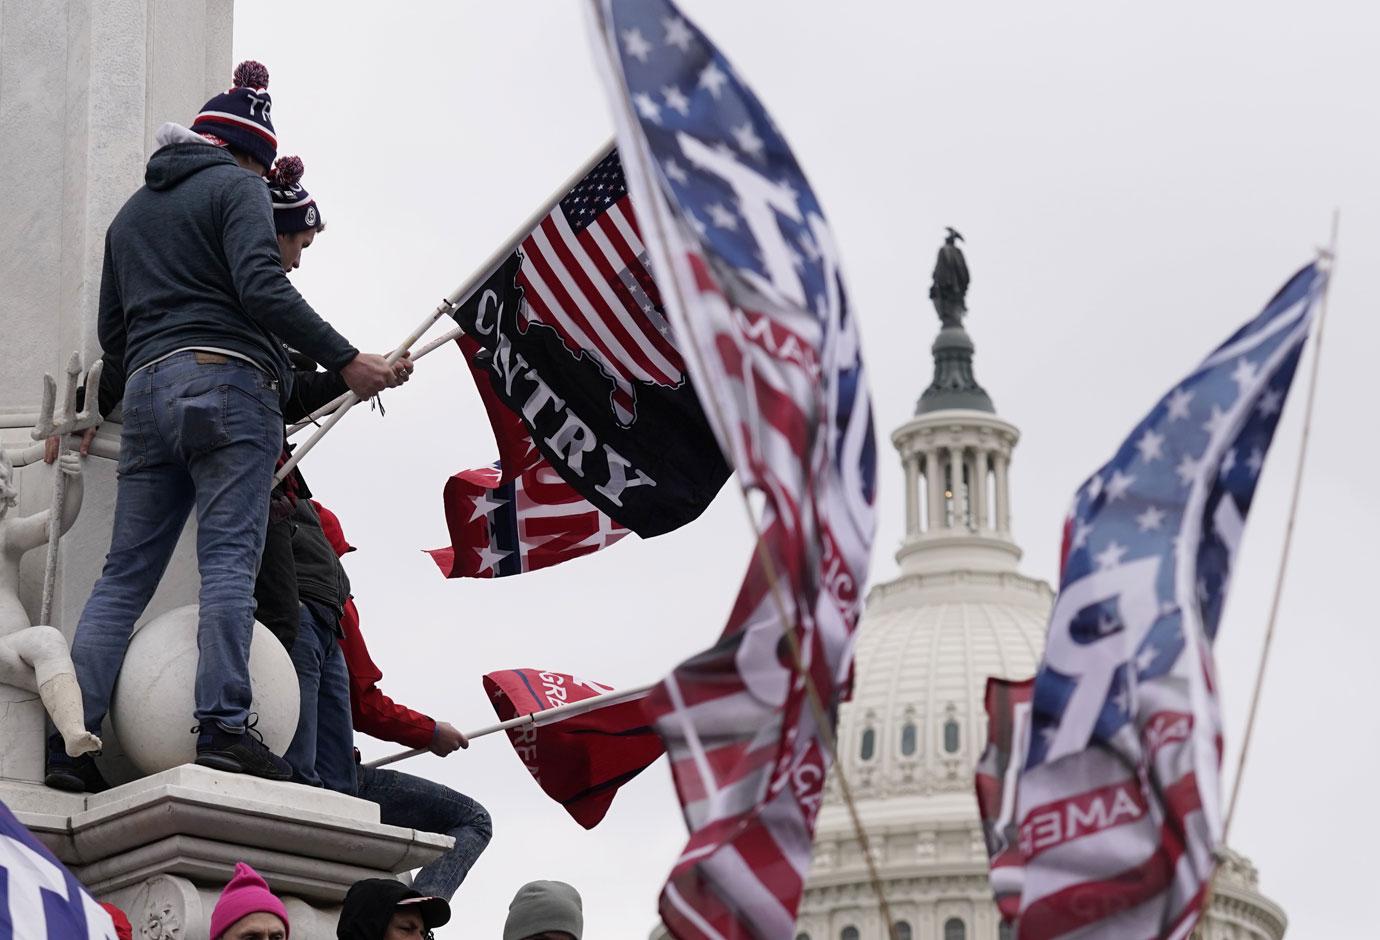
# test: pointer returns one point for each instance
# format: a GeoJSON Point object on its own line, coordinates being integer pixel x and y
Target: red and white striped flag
{"type": "Point", "coordinates": [745, 263]}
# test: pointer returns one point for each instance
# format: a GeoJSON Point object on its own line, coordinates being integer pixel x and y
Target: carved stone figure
{"type": "Point", "coordinates": [950, 284]}
{"type": "Point", "coordinates": [36, 658]}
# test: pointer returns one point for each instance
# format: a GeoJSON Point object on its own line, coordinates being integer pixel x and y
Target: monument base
{"type": "Point", "coordinates": [163, 846]}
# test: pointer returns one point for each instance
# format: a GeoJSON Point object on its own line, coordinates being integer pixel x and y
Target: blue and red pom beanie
{"type": "Point", "coordinates": [240, 119]}
{"type": "Point", "coordinates": [294, 210]}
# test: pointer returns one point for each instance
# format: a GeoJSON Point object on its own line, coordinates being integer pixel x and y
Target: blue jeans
{"type": "Point", "coordinates": [416, 803]}
{"type": "Point", "coordinates": [322, 752]}
{"type": "Point", "coordinates": [199, 431]}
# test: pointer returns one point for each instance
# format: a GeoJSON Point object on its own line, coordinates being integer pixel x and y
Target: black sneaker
{"type": "Point", "coordinates": [239, 753]}
{"type": "Point", "coordinates": [73, 774]}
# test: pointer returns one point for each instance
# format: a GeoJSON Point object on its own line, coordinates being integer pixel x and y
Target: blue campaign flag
{"type": "Point", "coordinates": [39, 898]}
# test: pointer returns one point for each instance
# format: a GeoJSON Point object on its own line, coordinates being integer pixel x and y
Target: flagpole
{"type": "Point", "coordinates": [1330, 256]}
{"type": "Point", "coordinates": [335, 403]}
{"type": "Point", "coordinates": [544, 717]}
{"type": "Point", "coordinates": [453, 300]}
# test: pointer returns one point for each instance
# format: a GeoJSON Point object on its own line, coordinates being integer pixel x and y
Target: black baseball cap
{"type": "Point", "coordinates": [370, 904]}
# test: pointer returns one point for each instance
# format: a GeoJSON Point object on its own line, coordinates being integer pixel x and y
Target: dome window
{"type": "Point", "coordinates": [954, 929]}
{"type": "Point", "coordinates": [1005, 931]}
{"type": "Point", "coordinates": [869, 744]}
{"type": "Point", "coordinates": [951, 741]}
{"type": "Point", "coordinates": [848, 933]}
{"type": "Point", "coordinates": [908, 739]}
{"type": "Point", "coordinates": [901, 930]}
{"type": "Point", "coordinates": [802, 936]}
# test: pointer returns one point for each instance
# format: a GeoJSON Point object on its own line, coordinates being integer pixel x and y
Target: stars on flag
{"type": "Point", "coordinates": [1150, 445]}
{"type": "Point", "coordinates": [1216, 421]}
{"type": "Point", "coordinates": [675, 172]}
{"type": "Point", "coordinates": [1118, 485]}
{"type": "Point", "coordinates": [723, 218]}
{"type": "Point", "coordinates": [713, 79]}
{"type": "Point", "coordinates": [1111, 556]}
{"type": "Point", "coordinates": [486, 504]}
{"type": "Point", "coordinates": [748, 140]}
{"type": "Point", "coordinates": [647, 107]}
{"type": "Point", "coordinates": [1271, 400]}
{"type": "Point", "coordinates": [636, 45]}
{"type": "Point", "coordinates": [678, 33]}
{"type": "Point", "coordinates": [1187, 470]}
{"type": "Point", "coordinates": [1178, 404]}
{"type": "Point", "coordinates": [1151, 519]}
{"type": "Point", "coordinates": [1255, 461]}
{"type": "Point", "coordinates": [676, 100]}
{"type": "Point", "coordinates": [1244, 374]}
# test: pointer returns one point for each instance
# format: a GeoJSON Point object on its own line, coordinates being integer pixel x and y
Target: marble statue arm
{"type": "Point", "coordinates": [32, 531]}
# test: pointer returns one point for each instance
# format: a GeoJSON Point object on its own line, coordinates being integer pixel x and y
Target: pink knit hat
{"type": "Point", "coordinates": [246, 894]}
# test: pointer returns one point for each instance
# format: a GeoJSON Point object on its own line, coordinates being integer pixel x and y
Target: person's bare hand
{"type": "Point", "coordinates": [53, 445]}
{"type": "Point", "coordinates": [368, 374]}
{"type": "Point", "coordinates": [447, 739]}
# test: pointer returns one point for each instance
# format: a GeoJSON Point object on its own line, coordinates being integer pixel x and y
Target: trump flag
{"type": "Point", "coordinates": [579, 761]}
{"type": "Point", "coordinates": [1101, 795]}
{"type": "Point", "coordinates": [745, 264]}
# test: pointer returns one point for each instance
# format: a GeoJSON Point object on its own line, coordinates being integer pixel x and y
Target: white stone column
{"type": "Point", "coordinates": [911, 463]}
{"type": "Point", "coordinates": [1003, 521]}
{"type": "Point", "coordinates": [981, 519]}
{"type": "Point", "coordinates": [934, 480]}
{"type": "Point", "coordinates": [958, 520]}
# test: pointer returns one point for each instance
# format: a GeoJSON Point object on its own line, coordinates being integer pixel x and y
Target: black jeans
{"type": "Point", "coordinates": [415, 803]}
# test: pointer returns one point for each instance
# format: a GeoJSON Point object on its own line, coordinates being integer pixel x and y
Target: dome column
{"type": "Point", "coordinates": [980, 512]}
{"type": "Point", "coordinates": [1003, 521]}
{"type": "Point", "coordinates": [911, 463]}
{"type": "Point", "coordinates": [958, 517]}
{"type": "Point", "coordinates": [934, 483]}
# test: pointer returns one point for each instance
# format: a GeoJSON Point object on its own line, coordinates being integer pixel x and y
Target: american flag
{"type": "Point", "coordinates": [518, 515]}
{"type": "Point", "coordinates": [39, 898]}
{"type": "Point", "coordinates": [584, 274]}
{"type": "Point", "coordinates": [746, 266]}
{"type": "Point", "coordinates": [1109, 826]}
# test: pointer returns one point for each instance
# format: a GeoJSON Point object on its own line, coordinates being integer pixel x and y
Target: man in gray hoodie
{"type": "Point", "coordinates": [194, 311]}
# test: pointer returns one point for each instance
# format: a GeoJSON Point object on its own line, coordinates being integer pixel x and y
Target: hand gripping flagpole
{"type": "Point", "coordinates": [335, 403]}
{"type": "Point", "coordinates": [536, 719]}
{"type": "Point", "coordinates": [452, 301]}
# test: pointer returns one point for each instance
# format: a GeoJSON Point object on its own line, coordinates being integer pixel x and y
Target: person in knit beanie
{"type": "Point", "coordinates": [240, 119]}
{"type": "Point", "coordinates": [545, 910]}
{"type": "Point", "coordinates": [193, 315]}
{"type": "Point", "coordinates": [247, 910]}
{"type": "Point", "coordinates": [296, 216]}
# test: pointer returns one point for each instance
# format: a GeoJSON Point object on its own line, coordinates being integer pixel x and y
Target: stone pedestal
{"type": "Point", "coordinates": [162, 847]}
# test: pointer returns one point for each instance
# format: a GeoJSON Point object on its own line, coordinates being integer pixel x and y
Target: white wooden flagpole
{"type": "Point", "coordinates": [453, 300]}
{"type": "Point", "coordinates": [335, 403]}
{"type": "Point", "coordinates": [538, 719]}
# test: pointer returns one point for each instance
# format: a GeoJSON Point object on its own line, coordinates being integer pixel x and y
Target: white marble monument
{"type": "Point", "coordinates": [83, 87]}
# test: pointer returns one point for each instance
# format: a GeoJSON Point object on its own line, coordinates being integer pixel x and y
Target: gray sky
{"type": "Point", "coordinates": [1133, 183]}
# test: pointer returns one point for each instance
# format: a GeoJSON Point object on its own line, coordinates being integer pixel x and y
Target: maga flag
{"type": "Point", "coordinates": [745, 263]}
{"type": "Point", "coordinates": [39, 898]}
{"type": "Point", "coordinates": [575, 346]}
{"type": "Point", "coordinates": [1112, 810]}
{"type": "Point", "coordinates": [582, 760]}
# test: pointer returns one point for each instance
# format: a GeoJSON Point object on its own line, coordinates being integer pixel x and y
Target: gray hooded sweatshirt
{"type": "Point", "coordinates": [191, 261]}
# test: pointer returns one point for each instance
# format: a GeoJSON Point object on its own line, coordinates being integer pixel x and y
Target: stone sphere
{"type": "Point", "coordinates": [151, 711]}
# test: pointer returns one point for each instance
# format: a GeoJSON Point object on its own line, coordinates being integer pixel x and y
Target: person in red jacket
{"type": "Point", "coordinates": [404, 799]}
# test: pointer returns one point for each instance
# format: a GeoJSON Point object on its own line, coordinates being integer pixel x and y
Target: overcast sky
{"type": "Point", "coordinates": [1133, 182]}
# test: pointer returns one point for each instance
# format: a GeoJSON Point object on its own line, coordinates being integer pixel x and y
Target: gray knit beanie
{"type": "Point", "coordinates": [540, 906]}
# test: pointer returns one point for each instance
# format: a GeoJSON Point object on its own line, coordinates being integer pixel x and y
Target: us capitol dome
{"type": "Point", "coordinates": [958, 611]}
